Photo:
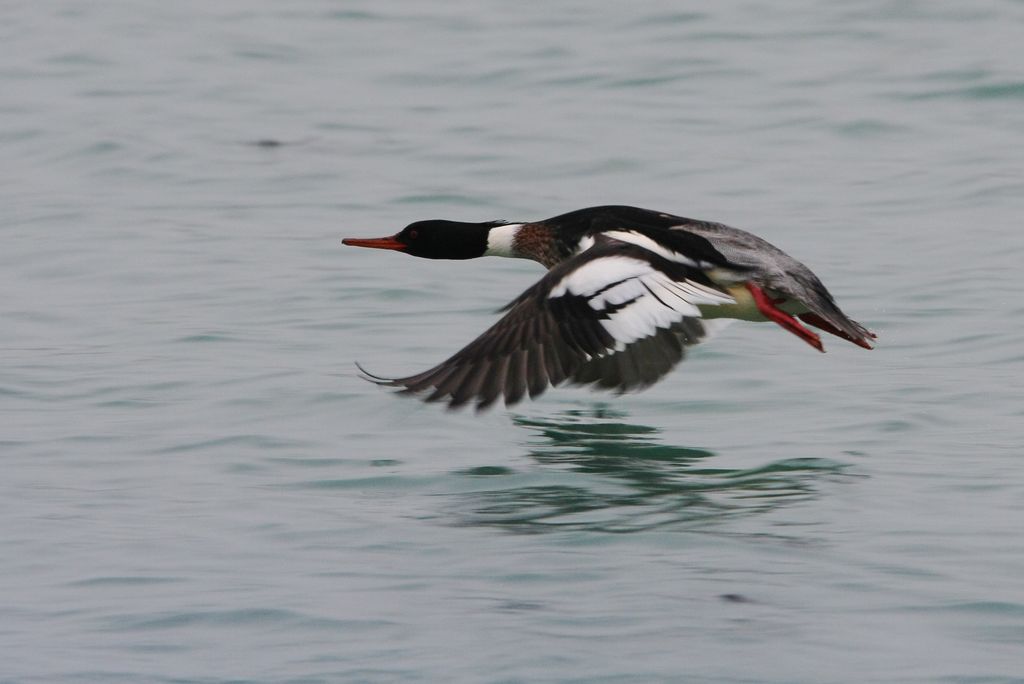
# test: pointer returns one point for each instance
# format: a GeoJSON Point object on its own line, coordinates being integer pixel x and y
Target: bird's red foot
{"type": "Point", "coordinates": [819, 322]}
{"type": "Point", "coordinates": [767, 307]}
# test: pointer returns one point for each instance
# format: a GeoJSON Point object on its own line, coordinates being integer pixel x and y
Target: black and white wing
{"type": "Point", "coordinates": [617, 316]}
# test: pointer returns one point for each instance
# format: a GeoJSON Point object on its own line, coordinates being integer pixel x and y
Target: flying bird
{"type": "Point", "coordinates": [626, 292]}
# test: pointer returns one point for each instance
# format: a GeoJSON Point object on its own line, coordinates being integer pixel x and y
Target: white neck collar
{"type": "Point", "coordinates": [501, 240]}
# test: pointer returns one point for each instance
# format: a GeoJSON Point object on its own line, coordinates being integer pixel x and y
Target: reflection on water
{"type": "Point", "coordinates": [603, 473]}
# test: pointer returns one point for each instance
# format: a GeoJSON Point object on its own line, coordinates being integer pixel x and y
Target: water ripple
{"type": "Point", "coordinates": [629, 481]}
{"type": "Point", "coordinates": [993, 91]}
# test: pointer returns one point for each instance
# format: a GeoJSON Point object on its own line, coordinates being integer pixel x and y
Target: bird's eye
{"type": "Point", "coordinates": [413, 234]}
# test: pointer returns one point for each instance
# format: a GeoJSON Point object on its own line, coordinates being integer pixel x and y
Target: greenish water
{"type": "Point", "coordinates": [197, 487]}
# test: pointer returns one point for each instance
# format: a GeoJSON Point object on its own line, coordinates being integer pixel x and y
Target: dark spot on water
{"type": "Point", "coordinates": [735, 598]}
{"type": "Point", "coordinates": [517, 606]}
{"type": "Point", "coordinates": [204, 337]}
{"type": "Point", "coordinates": [488, 470]}
{"type": "Point", "coordinates": [268, 142]}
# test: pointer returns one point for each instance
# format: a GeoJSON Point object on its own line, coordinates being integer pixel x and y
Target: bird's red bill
{"type": "Point", "coordinates": [375, 243]}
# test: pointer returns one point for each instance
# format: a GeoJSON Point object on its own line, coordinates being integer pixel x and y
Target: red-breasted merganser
{"type": "Point", "coordinates": [626, 292]}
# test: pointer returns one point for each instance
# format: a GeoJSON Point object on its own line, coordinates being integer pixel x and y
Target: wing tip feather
{"type": "Point", "coordinates": [376, 379]}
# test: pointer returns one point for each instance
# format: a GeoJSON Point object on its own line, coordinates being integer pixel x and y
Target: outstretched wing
{"type": "Point", "coordinates": [617, 316]}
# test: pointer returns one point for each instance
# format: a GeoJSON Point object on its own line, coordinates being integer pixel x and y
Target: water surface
{"type": "Point", "coordinates": [197, 487]}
